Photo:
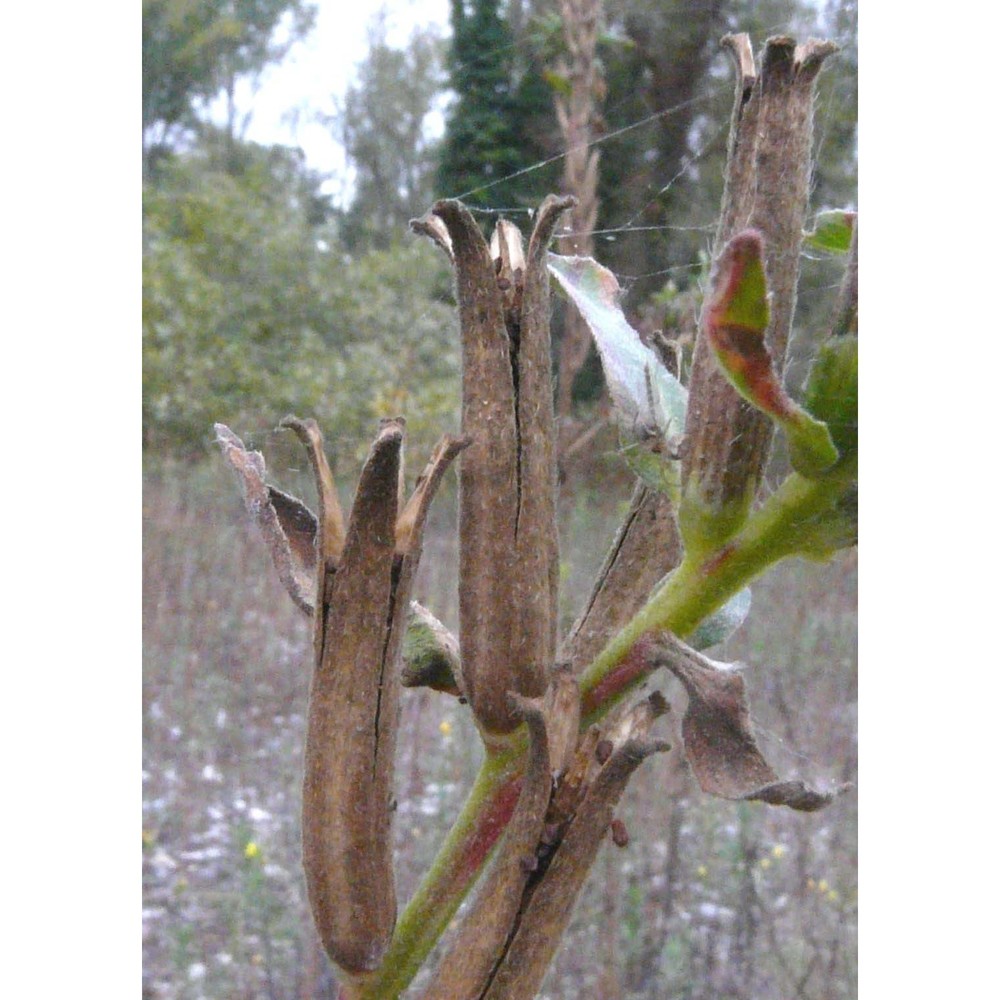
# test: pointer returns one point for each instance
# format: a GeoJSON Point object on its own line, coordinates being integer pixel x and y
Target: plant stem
{"type": "Point", "coordinates": [706, 580]}
{"type": "Point", "coordinates": [460, 859]}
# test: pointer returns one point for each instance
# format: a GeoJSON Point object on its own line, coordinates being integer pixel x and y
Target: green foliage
{"type": "Point", "coordinates": [251, 311]}
{"type": "Point", "coordinates": [831, 392]}
{"type": "Point", "coordinates": [648, 400]}
{"type": "Point", "coordinates": [718, 627]}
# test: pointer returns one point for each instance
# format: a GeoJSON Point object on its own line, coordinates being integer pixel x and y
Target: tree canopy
{"type": "Point", "coordinates": [194, 49]}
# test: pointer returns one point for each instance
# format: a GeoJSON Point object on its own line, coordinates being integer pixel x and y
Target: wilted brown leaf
{"type": "Point", "coordinates": [718, 739]}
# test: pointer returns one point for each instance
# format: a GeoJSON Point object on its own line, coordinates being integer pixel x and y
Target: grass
{"type": "Point", "coordinates": [711, 899]}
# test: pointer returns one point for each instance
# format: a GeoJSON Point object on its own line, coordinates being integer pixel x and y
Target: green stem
{"type": "Point", "coordinates": [444, 886]}
{"type": "Point", "coordinates": [706, 580]}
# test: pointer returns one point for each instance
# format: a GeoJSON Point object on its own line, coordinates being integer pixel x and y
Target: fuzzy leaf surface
{"type": "Point", "coordinates": [833, 231]}
{"type": "Point", "coordinates": [736, 320]}
{"type": "Point", "coordinates": [647, 398]}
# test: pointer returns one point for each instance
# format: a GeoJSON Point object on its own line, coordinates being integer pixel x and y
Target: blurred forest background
{"type": "Point", "coordinates": [265, 294]}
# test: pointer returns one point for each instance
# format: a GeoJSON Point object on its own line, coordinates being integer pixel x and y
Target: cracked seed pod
{"type": "Point", "coordinates": [508, 563]}
{"type": "Point", "coordinates": [465, 970]}
{"type": "Point", "coordinates": [365, 576]}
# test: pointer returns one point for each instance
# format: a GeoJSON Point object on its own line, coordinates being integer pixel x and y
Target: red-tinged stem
{"type": "Point", "coordinates": [462, 856]}
{"type": "Point", "coordinates": [705, 581]}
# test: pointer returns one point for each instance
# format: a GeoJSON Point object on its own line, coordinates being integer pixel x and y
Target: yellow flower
{"type": "Point", "coordinates": [779, 850]}
{"type": "Point", "coordinates": [765, 863]}
{"type": "Point", "coordinates": [251, 850]}
{"type": "Point", "coordinates": [702, 871]}
{"type": "Point", "coordinates": [445, 727]}
{"type": "Point", "coordinates": [823, 885]}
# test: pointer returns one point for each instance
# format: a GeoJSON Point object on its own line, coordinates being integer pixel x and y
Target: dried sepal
{"type": "Point", "coordinates": [287, 526]}
{"type": "Point", "coordinates": [410, 523]}
{"type": "Point", "coordinates": [331, 517]}
{"type": "Point", "coordinates": [718, 738]}
{"type": "Point", "coordinates": [466, 969]}
{"type": "Point", "coordinates": [330, 520]}
{"type": "Point", "coordinates": [432, 226]}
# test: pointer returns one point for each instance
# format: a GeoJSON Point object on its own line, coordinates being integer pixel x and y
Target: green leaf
{"type": "Point", "coordinates": [723, 623]}
{"type": "Point", "coordinates": [833, 231]}
{"type": "Point", "coordinates": [736, 320]}
{"type": "Point", "coordinates": [648, 400]}
{"type": "Point", "coordinates": [831, 392]}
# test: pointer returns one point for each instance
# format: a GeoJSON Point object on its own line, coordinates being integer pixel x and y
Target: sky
{"type": "Point", "coordinates": [289, 96]}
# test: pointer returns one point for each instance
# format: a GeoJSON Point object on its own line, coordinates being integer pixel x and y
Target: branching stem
{"type": "Point", "coordinates": [700, 585]}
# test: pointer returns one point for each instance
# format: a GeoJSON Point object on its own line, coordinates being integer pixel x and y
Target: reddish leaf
{"type": "Point", "coordinates": [736, 319]}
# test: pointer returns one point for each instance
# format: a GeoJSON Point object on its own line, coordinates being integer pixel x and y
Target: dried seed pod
{"type": "Point", "coordinates": [347, 799]}
{"type": "Point", "coordinates": [646, 548]}
{"type": "Point", "coordinates": [350, 735]}
{"type": "Point", "coordinates": [507, 529]}
{"type": "Point", "coordinates": [546, 913]}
